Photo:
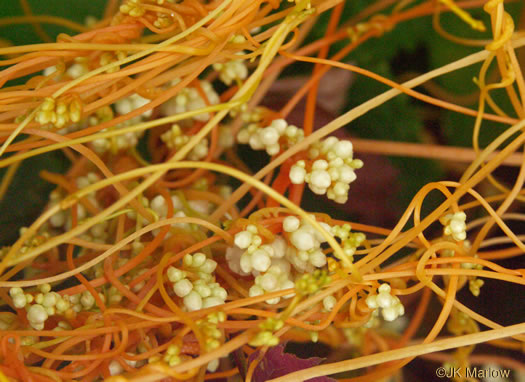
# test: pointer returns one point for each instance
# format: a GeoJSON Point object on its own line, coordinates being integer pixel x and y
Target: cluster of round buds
{"type": "Point", "coordinates": [171, 357]}
{"type": "Point", "coordinates": [276, 278]}
{"type": "Point", "coordinates": [160, 208]}
{"type": "Point", "coordinates": [311, 283]}
{"type": "Point", "coordinates": [330, 170]}
{"type": "Point", "coordinates": [256, 257]}
{"type": "Point", "coordinates": [174, 138]}
{"type": "Point", "coordinates": [59, 219]}
{"type": "Point", "coordinates": [271, 137]}
{"type": "Point", "coordinates": [47, 303]}
{"type": "Point", "coordinates": [212, 335]}
{"type": "Point", "coordinates": [76, 70]}
{"type": "Point", "coordinates": [201, 293]}
{"type": "Point", "coordinates": [34, 241]}
{"type": "Point", "coordinates": [249, 116]}
{"type": "Point", "coordinates": [306, 253]}
{"type": "Point", "coordinates": [455, 225]}
{"type": "Point", "coordinates": [132, 8]}
{"type": "Point", "coordinates": [84, 301]}
{"type": "Point", "coordinates": [475, 286]}
{"type": "Point", "coordinates": [59, 112]}
{"type": "Point", "coordinates": [126, 140]}
{"type": "Point", "coordinates": [190, 99]}
{"type": "Point", "coordinates": [113, 295]}
{"type": "Point", "coordinates": [20, 299]}
{"type": "Point", "coordinates": [350, 241]}
{"type": "Point", "coordinates": [266, 337]}
{"type": "Point", "coordinates": [231, 71]}
{"type": "Point", "coordinates": [391, 307]}
{"type": "Point", "coordinates": [131, 103]}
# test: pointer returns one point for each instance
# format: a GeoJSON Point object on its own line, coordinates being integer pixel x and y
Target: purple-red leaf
{"type": "Point", "coordinates": [277, 363]}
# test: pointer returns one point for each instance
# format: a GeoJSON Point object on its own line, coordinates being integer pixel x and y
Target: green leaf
{"type": "Point", "coordinates": [22, 34]}
{"type": "Point", "coordinates": [395, 120]}
{"type": "Point", "coordinates": [28, 194]}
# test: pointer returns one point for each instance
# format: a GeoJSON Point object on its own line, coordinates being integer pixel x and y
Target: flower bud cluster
{"type": "Point", "coordinates": [32, 242]}
{"type": "Point", "coordinates": [132, 8]}
{"type": "Point", "coordinates": [47, 303]}
{"type": "Point", "coordinates": [212, 335]}
{"type": "Point", "coordinates": [255, 115]}
{"type": "Point", "coordinates": [171, 357]}
{"type": "Point", "coordinates": [350, 241]}
{"type": "Point", "coordinates": [305, 252]}
{"type": "Point", "coordinates": [455, 225]}
{"type": "Point", "coordinates": [174, 138]}
{"type": "Point", "coordinates": [270, 138]}
{"type": "Point", "coordinates": [59, 112]}
{"type": "Point", "coordinates": [160, 208]}
{"type": "Point", "coordinates": [189, 99]}
{"type": "Point", "coordinates": [276, 278]}
{"type": "Point", "coordinates": [201, 293]}
{"type": "Point", "coordinates": [126, 140]}
{"type": "Point", "coordinates": [310, 283]}
{"type": "Point", "coordinates": [256, 257]}
{"type": "Point", "coordinates": [330, 170]}
{"type": "Point", "coordinates": [391, 307]}
{"type": "Point", "coordinates": [264, 261]}
{"type": "Point", "coordinates": [266, 337]}
{"type": "Point", "coordinates": [76, 70]}
{"type": "Point", "coordinates": [231, 71]}
{"type": "Point", "coordinates": [475, 286]}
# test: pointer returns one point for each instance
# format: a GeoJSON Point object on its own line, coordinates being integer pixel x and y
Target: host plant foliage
{"type": "Point", "coordinates": [160, 254]}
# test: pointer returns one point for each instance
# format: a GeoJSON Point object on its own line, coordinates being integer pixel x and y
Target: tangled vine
{"type": "Point", "coordinates": [162, 255]}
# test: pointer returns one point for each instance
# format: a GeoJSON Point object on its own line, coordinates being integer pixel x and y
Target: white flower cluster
{"type": "Point", "coordinates": [189, 99]}
{"type": "Point", "coordinates": [306, 253]}
{"type": "Point", "coordinates": [455, 225]}
{"type": "Point", "coordinates": [76, 70]}
{"type": "Point", "coordinates": [201, 293]}
{"type": "Point", "coordinates": [174, 138]}
{"type": "Point", "coordinates": [231, 71]}
{"type": "Point", "coordinates": [256, 256]}
{"type": "Point", "coordinates": [391, 307]}
{"type": "Point", "coordinates": [276, 278]}
{"type": "Point", "coordinates": [331, 171]}
{"type": "Point", "coordinates": [159, 206]}
{"type": "Point", "coordinates": [127, 140]}
{"type": "Point", "coordinates": [269, 138]}
{"type": "Point", "coordinates": [271, 263]}
{"type": "Point", "coordinates": [48, 303]}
